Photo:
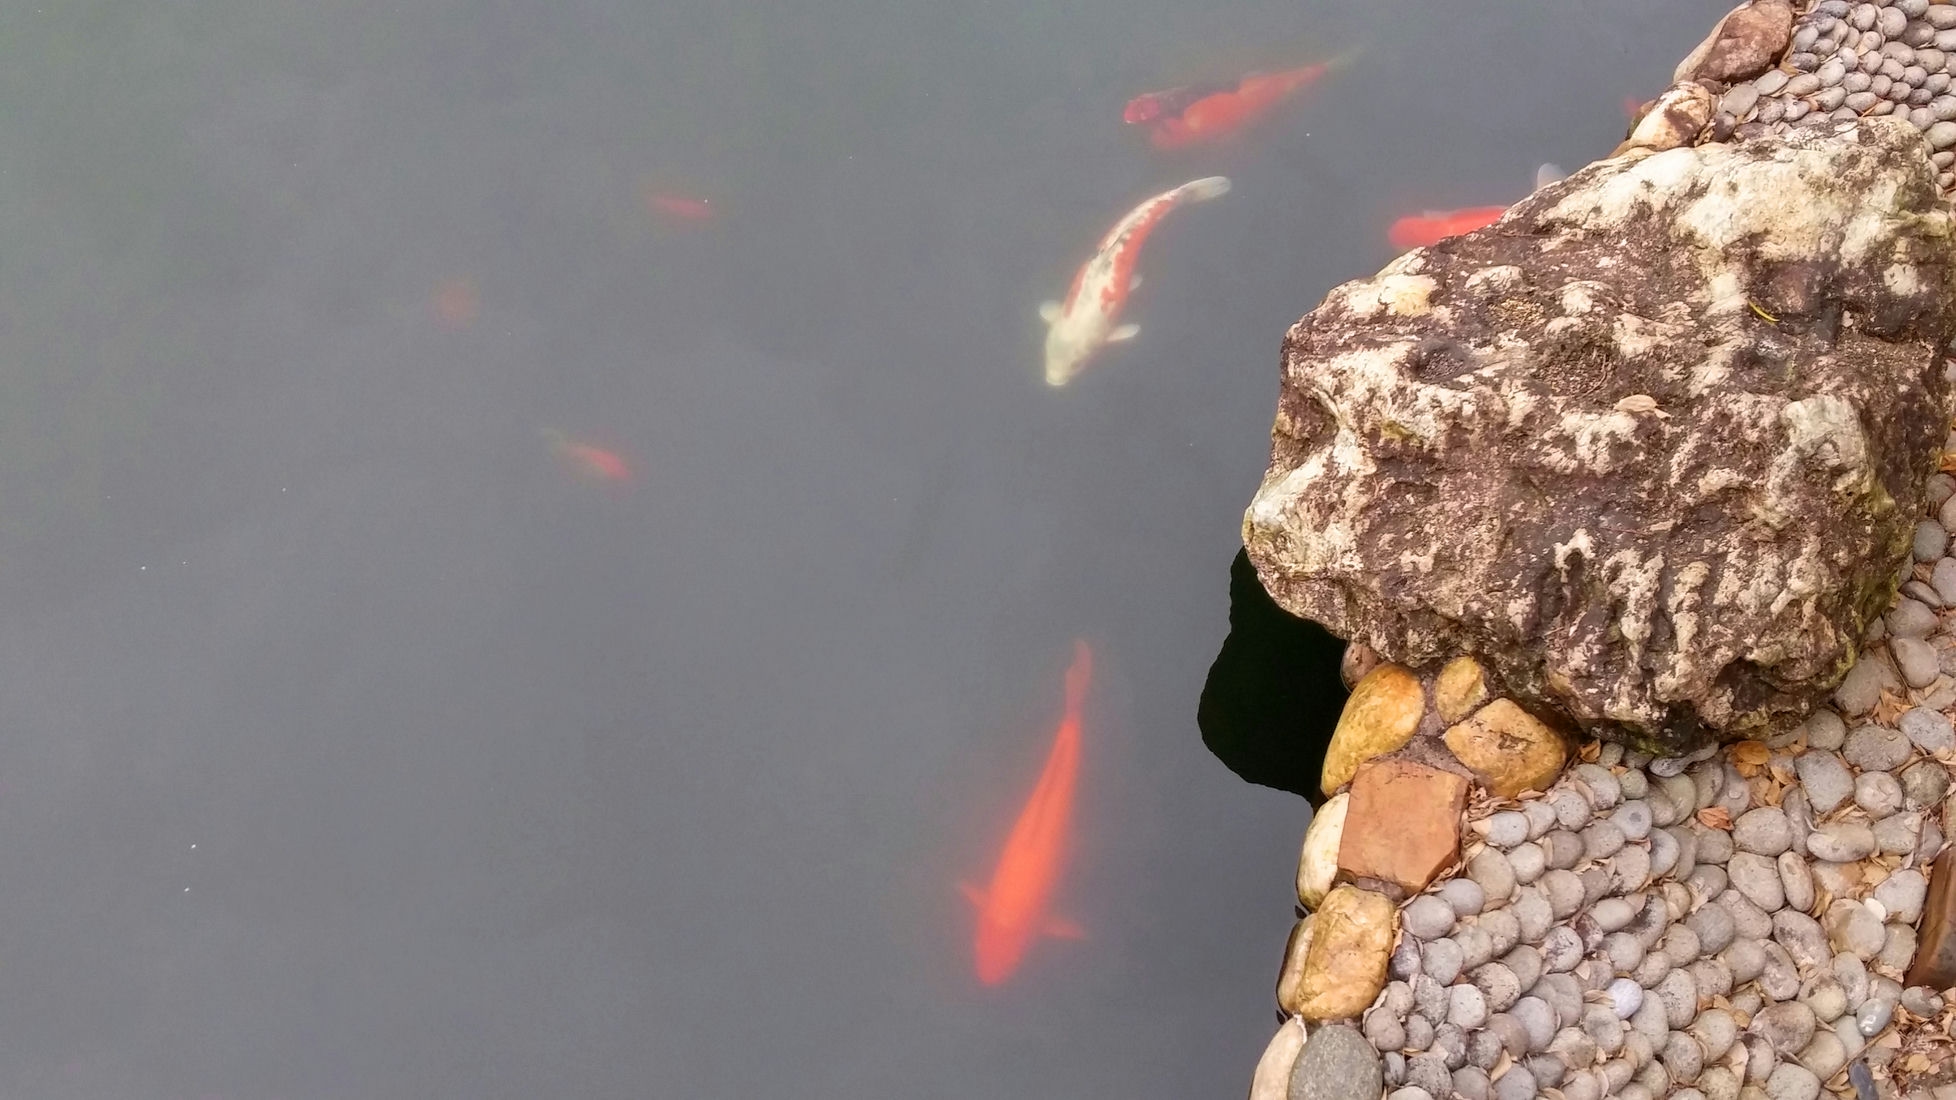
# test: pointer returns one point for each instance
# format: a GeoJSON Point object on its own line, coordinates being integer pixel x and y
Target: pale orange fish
{"type": "Point", "coordinates": [676, 207]}
{"type": "Point", "coordinates": [455, 302]}
{"type": "Point", "coordinates": [589, 460]}
{"type": "Point", "coordinates": [1015, 908]}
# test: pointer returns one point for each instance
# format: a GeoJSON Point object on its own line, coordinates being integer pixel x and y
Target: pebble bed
{"type": "Point", "coordinates": [1704, 927]}
{"type": "Point", "coordinates": [1852, 60]}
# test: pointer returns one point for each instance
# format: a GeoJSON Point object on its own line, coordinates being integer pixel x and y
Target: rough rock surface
{"type": "Point", "coordinates": [1653, 446]}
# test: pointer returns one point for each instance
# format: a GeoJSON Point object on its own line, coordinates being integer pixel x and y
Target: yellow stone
{"type": "Point", "coordinates": [1318, 865]}
{"type": "Point", "coordinates": [1508, 748]}
{"type": "Point", "coordinates": [1290, 980]}
{"type": "Point", "coordinates": [1345, 962]}
{"type": "Point", "coordinates": [1379, 717]}
{"type": "Point", "coordinates": [1272, 1078]}
{"type": "Point", "coordinates": [1459, 689]}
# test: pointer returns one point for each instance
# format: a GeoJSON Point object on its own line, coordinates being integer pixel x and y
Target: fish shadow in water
{"type": "Point", "coordinates": [1274, 693]}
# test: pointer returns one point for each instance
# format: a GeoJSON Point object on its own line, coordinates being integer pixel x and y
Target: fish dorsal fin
{"type": "Point", "coordinates": [1049, 312]}
{"type": "Point", "coordinates": [1126, 332]}
{"type": "Point", "coordinates": [1434, 215]}
{"type": "Point", "coordinates": [1547, 174]}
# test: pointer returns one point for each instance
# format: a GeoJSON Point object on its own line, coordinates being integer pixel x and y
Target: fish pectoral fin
{"type": "Point", "coordinates": [1125, 332]}
{"type": "Point", "coordinates": [1547, 174]}
{"type": "Point", "coordinates": [1134, 284]}
{"type": "Point", "coordinates": [1061, 928]}
{"type": "Point", "coordinates": [972, 894]}
{"type": "Point", "coordinates": [1049, 312]}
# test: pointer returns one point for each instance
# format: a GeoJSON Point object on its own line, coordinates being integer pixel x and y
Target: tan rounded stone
{"type": "Point", "coordinates": [1674, 120]}
{"type": "Point", "coordinates": [1272, 1078]}
{"type": "Point", "coordinates": [1345, 962]}
{"type": "Point", "coordinates": [1460, 687]}
{"type": "Point", "coordinates": [1380, 717]}
{"type": "Point", "coordinates": [1290, 979]}
{"type": "Point", "coordinates": [1508, 748]}
{"type": "Point", "coordinates": [1318, 865]}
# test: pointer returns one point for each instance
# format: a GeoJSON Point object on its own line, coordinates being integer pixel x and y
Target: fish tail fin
{"type": "Point", "coordinates": [1078, 675]}
{"type": "Point", "coordinates": [1204, 189]}
{"type": "Point", "coordinates": [1061, 928]}
{"type": "Point", "coordinates": [1343, 58]}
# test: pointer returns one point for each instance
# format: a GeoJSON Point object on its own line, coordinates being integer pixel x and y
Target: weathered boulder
{"type": "Point", "coordinates": [1747, 42]}
{"type": "Point", "coordinates": [1651, 447]}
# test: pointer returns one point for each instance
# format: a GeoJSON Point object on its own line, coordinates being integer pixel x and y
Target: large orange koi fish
{"type": "Point", "coordinates": [1014, 909]}
{"type": "Point", "coordinates": [1202, 114]}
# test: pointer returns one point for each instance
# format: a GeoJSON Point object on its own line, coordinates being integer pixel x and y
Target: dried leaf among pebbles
{"type": "Point", "coordinates": [1765, 791]}
{"type": "Point", "coordinates": [1590, 751]}
{"type": "Point", "coordinates": [1889, 708]}
{"type": "Point", "coordinates": [1750, 754]}
{"type": "Point", "coordinates": [1715, 817]}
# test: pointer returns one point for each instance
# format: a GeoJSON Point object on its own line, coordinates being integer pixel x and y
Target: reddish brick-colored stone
{"type": "Point", "coordinates": [1935, 937]}
{"type": "Point", "coordinates": [1403, 826]}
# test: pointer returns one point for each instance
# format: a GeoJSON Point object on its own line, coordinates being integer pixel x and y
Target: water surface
{"type": "Point", "coordinates": [356, 746]}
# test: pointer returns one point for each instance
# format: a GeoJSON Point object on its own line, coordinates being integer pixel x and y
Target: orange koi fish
{"type": "Point", "coordinates": [675, 207]}
{"type": "Point", "coordinates": [455, 302]}
{"type": "Point", "coordinates": [1013, 911]}
{"type": "Point", "coordinates": [1433, 226]}
{"type": "Point", "coordinates": [591, 461]}
{"type": "Point", "coordinates": [1088, 320]}
{"type": "Point", "coordinates": [1202, 114]}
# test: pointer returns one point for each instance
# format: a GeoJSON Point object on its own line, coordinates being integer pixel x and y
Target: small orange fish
{"type": "Point", "coordinates": [589, 460]}
{"type": "Point", "coordinates": [675, 207]}
{"type": "Point", "coordinates": [1203, 114]}
{"type": "Point", "coordinates": [455, 302]}
{"type": "Point", "coordinates": [1433, 226]}
{"type": "Point", "coordinates": [1014, 909]}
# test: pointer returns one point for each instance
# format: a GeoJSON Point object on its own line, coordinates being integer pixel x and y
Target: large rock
{"type": "Point", "coordinates": [1651, 447]}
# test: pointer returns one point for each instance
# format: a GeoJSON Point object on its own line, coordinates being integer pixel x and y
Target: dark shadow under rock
{"type": "Point", "coordinates": [1274, 694]}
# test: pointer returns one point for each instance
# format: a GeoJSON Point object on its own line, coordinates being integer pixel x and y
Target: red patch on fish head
{"type": "Point", "coordinates": [1142, 108]}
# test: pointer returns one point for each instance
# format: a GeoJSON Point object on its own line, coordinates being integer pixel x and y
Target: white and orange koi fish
{"type": "Point", "coordinates": [1089, 318]}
